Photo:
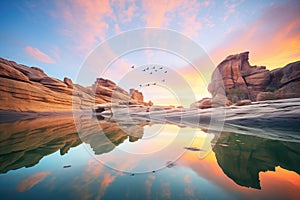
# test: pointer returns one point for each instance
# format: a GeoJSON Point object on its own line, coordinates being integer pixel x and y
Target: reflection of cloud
{"type": "Point", "coordinates": [31, 181]}
{"type": "Point", "coordinates": [38, 55]}
{"type": "Point", "coordinates": [166, 192]}
{"type": "Point", "coordinates": [107, 180]}
{"type": "Point", "coordinates": [272, 44]}
{"type": "Point", "coordinates": [148, 188]}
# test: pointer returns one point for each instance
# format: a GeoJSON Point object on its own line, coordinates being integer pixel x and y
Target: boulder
{"type": "Point", "coordinates": [136, 95]}
{"type": "Point", "coordinates": [243, 102]}
{"type": "Point", "coordinates": [68, 82]}
{"type": "Point", "coordinates": [263, 96]}
{"type": "Point", "coordinates": [202, 104]}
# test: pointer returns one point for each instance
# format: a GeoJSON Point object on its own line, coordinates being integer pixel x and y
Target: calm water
{"type": "Point", "coordinates": [48, 157]}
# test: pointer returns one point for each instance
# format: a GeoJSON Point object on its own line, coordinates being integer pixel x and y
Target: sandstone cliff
{"type": "Point", "coordinates": [241, 81]}
{"type": "Point", "coordinates": [29, 89]}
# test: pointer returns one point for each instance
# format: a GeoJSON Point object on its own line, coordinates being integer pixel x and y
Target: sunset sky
{"type": "Point", "coordinates": [58, 36]}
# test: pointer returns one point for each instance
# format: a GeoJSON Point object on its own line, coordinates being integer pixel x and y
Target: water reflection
{"type": "Point", "coordinates": [243, 158]}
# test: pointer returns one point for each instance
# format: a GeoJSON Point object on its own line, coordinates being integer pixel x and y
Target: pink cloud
{"type": "Point", "coordinates": [85, 22]}
{"type": "Point", "coordinates": [38, 55]}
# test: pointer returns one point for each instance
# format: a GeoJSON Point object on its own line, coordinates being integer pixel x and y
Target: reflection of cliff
{"type": "Point", "coordinates": [242, 157]}
{"type": "Point", "coordinates": [105, 136]}
{"type": "Point", "coordinates": [25, 143]}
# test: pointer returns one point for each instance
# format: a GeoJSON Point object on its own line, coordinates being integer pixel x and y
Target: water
{"type": "Point", "coordinates": [46, 157]}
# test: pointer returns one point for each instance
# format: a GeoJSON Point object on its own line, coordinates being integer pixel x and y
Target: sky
{"type": "Point", "coordinates": [58, 36]}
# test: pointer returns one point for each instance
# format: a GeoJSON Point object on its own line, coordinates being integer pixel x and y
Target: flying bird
{"type": "Point", "coordinates": [160, 67]}
{"type": "Point", "coordinates": [132, 66]}
{"type": "Point", "coordinates": [166, 71]}
{"type": "Point", "coordinates": [164, 80]}
{"type": "Point", "coordinates": [153, 67]}
{"type": "Point", "coordinates": [150, 72]}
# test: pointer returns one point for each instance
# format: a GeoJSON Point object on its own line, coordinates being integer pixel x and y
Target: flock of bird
{"type": "Point", "coordinates": [151, 71]}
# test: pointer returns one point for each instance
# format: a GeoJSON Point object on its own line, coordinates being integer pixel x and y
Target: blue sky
{"type": "Point", "coordinates": [58, 36]}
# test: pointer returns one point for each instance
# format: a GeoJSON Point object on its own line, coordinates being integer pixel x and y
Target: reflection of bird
{"type": "Point", "coordinates": [132, 174]}
{"type": "Point", "coordinates": [132, 66]}
{"type": "Point", "coordinates": [144, 70]}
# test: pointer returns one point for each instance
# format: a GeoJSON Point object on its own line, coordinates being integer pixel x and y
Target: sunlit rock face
{"type": "Point", "coordinates": [25, 88]}
{"type": "Point", "coordinates": [240, 79]}
{"type": "Point", "coordinates": [243, 81]}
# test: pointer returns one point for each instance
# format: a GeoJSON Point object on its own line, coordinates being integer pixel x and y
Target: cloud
{"type": "Point", "coordinates": [31, 181]}
{"type": "Point", "coordinates": [86, 22]}
{"type": "Point", "coordinates": [271, 44]}
{"type": "Point", "coordinates": [174, 13]}
{"type": "Point", "coordinates": [231, 6]}
{"type": "Point", "coordinates": [38, 55]}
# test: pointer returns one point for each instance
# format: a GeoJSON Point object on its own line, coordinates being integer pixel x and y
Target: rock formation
{"type": "Point", "coordinates": [136, 95]}
{"type": "Point", "coordinates": [29, 89]}
{"type": "Point", "coordinates": [241, 81]}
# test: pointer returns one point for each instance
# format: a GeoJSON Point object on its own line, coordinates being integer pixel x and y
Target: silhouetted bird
{"type": "Point", "coordinates": [140, 85]}
{"type": "Point", "coordinates": [163, 80]}
{"type": "Point", "coordinates": [166, 71]}
{"type": "Point", "coordinates": [132, 66]}
{"type": "Point", "coordinates": [153, 67]}
{"type": "Point", "coordinates": [148, 84]}
{"type": "Point", "coordinates": [156, 70]}
{"type": "Point", "coordinates": [150, 72]}
{"type": "Point", "coordinates": [144, 70]}
{"type": "Point", "coordinates": [160, 67]}
{"type": "Point", "coordinates": [154, 83]}
{"type": "Point", "coordinates": [147, 68]}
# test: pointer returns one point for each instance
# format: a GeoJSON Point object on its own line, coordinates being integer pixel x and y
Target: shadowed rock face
{"type": "Point", "coordinates": [242, 157]}
{"type": "Point", "coordinates": [243, 81]}
{"type": "Point", "coordinates": [25, 88]}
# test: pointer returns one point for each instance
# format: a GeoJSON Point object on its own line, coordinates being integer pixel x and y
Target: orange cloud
{"type": "Point", "coordinates": [38, 55]}
{"type": "Point", "coordinates": [270, 44]}
{"type": "Point", "coordinates": [31, 181]}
